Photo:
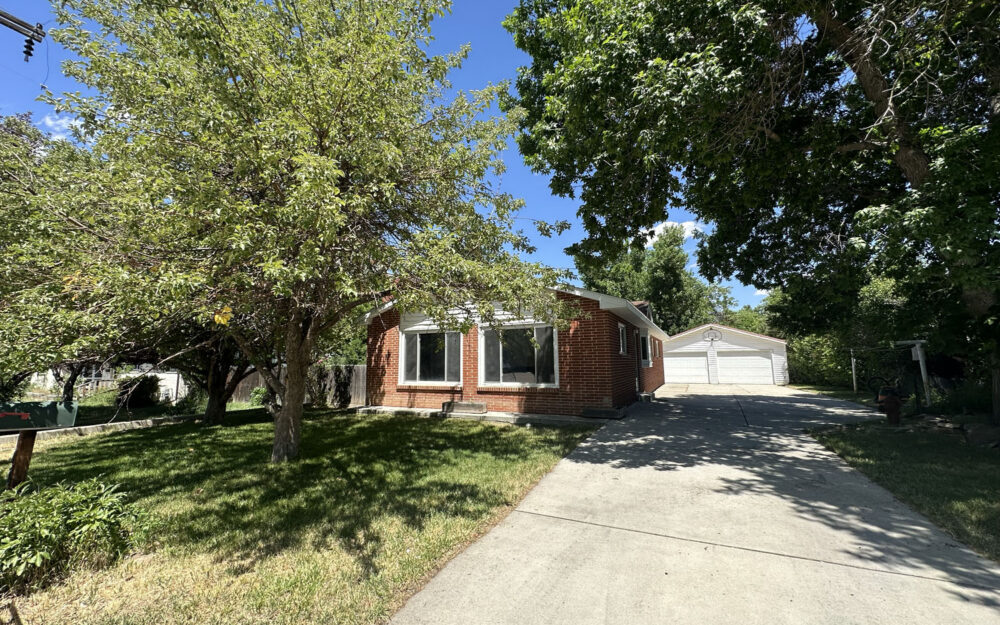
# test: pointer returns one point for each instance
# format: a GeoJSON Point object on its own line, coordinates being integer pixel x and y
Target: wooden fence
{"type": "Point", "coordinates": [344, 386]}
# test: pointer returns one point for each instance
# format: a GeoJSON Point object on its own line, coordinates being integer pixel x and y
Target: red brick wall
{"type": "Point", "coordinates": [652, 376]}
{"type": "Point", "coordinates": [592, 374]}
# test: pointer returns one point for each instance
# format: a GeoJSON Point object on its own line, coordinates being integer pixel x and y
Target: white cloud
{"type": "Point", "coordinates": [762, 292]}
{"type": "Point", "coordinates": [689, 227]}
{"type": "Point", "coordinates": [59, 127]}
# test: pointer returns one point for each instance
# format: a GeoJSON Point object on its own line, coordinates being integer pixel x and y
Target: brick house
{"type": "Point", "coordinates": [594, 368]}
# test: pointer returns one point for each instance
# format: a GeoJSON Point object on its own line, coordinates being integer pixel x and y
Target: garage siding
{"type": "Point", "coordinates": [728, 343]}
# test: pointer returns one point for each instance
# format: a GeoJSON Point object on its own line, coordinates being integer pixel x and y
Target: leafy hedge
{"type": "Point", "coordinates": [818, 359]}
{"type": "Point", "coordinates": [47, 532]}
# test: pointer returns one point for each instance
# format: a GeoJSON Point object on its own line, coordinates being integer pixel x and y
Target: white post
{"type": "Point", "coordinates": [854, 372]}
{"type": "Point", "coordinates": [923, 372]}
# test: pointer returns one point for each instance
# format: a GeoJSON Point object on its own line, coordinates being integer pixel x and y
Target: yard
{"type": "Point", "coordinates": [372, 508]}
{"type": "Point", "coordinates": [952, 483]}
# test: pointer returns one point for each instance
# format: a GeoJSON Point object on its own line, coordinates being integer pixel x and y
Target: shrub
{"type": "Point", "coordinates": [47, 532]}
{"type": "Point", "coordinates": [258, 395]}
{"type": "Point", "coordinates": [192, 403]}
{"type": "Point", "coordinates": [140, 392]}
{"type": "Point", "coordinates": [818, 359]}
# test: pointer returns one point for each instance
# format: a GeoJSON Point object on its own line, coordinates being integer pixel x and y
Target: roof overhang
{"type": "Point", "coordinates": [617, 305]}
{"type": "Point", "coordinates": [620, 307]}
{"type": "Point", "coordinates": [709, 326]}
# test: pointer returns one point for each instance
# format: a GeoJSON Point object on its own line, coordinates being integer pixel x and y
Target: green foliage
{"type": "Point", "coordinates": [818, 359]}
{"type": "Point", "coordinates": [659, 274]}
{"type": "Point", "coordinates": [192, 403]}
{"type": "Point", "coordinates": [138, 392]}
{"type": "Point", "coordinates": [830, 146]}
{"type": "Point", "coordinates": [270, 169]}
{"type": "Point", "coordinates": [47, 532]}
{"type": "Point", "coordinates": [258, 395]}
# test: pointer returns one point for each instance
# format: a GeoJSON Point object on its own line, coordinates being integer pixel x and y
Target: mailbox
{"type": "Point", "coordinates": [37, 415]}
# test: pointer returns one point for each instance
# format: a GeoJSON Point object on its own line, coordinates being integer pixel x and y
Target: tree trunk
{"type": "Point", "coordinates": [909, 156]}
{"type": "Point", "coordinates": [995, 414]}
{"type": "Point", "coordinates": [22, 458]}
{"type": "Point", "coordinates": [69, 384]}
{"type": "Point", "coordinates": [218, 397]}
{"type": "Point", "coordinates": [299, 341]}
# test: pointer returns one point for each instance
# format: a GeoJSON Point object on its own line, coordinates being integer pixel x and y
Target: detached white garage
{"type": "Point", "coordinates": [717, 354]}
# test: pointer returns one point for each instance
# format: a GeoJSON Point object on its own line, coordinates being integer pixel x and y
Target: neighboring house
{"type": "Point", "coordinates": [597, 366]}
{"type": "Point", "coordinates": [718, 354]}
{"type": "Point", "coordinates": [96, 378]}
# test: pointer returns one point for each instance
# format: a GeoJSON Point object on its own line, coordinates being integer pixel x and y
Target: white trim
{"type": "Point", "coordinates": [403, 383]}
{"type": "Point", "coordinates": [731, 329]}
{"type": "Point", "coordinates": [626, 309]}
{"type": "Point", "coordinates": [622, 340]}
{"type": "Point", "coordinates": [647, 362]}
{"type": "Point", "coordinates": [517, 326]}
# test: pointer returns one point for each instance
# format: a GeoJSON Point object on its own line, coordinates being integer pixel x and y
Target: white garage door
{"type": "Point", "coordinates": [745, 368]}
{"type": "Point", "coordinates": [687, 368]}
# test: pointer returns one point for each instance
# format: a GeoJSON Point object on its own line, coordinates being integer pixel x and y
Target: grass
{"type": "Point", "coordinates": [373, 506]}
{"type": "Point", "coordinates": [952, 483]}
{"type": "Point", "coordinates": [100, 408]}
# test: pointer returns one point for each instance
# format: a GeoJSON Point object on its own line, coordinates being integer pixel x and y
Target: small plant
{"type": "Point", "coordinates": [47, 532]}
{"type": "Point", "coordinates": [258, 395]}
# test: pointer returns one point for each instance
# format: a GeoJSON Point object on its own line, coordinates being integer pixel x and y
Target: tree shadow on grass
{"type": "Point", "coordinates": [219, 493]}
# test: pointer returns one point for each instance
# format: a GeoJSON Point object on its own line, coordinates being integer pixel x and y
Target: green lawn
{"type": "Point", "coordinates": [374, 505]}
{"type": "Point", "coordinates": [955, 485]}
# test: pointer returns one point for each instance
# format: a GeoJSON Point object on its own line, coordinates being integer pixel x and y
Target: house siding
{"type": "Point", "coordinates": [592, 373]}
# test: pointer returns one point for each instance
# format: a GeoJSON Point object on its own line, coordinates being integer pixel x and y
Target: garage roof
{"type": "Point", "coordinates": [710, 326]}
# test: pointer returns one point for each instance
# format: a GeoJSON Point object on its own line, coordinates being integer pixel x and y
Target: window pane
{"type": "Point", "coordinates": [622, 342]}
{"type": "Point", "coordinates": [454, 348]}
{"type": "Point", "coordinates": [545, 358]}
{"type": "Point", "coordinates": [644, 343]}
{"type": "Point", "coordinates": [432, 357]}
{"type": "Point", "coordinates": [491, 356]}
{"type": "Point", "coordinates": [518, 357]}
{"type": "Point", "coordinates": [411, 351]}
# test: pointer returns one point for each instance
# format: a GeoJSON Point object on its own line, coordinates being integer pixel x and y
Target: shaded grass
{"type": "Point", "coordinates": [373, 506]}
{"type": "Point", "coordinates": [954, 484]}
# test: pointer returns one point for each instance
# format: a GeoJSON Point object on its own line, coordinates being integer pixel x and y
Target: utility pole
{"type": "Point", "coordinates": [917, 351]}
{"type": "Point", "coordinates": [31, 33]}
{"type": "Point", "coordinates": [854, 372]}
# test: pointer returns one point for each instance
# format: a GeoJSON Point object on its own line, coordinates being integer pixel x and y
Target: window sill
{"type": "Point", "coordinates": [436, 386]}
{"type": "Point", "coordinates": [500, 386]}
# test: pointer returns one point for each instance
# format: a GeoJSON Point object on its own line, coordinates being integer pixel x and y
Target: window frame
{"type": "Point", "coordinates": [444, 383]}
{"type": "Point", "coordinates": [644, 340]}
{"type": "Point", "coordinates": [481, 357]}
{"type": "Point", "coordinates": [622, 340]}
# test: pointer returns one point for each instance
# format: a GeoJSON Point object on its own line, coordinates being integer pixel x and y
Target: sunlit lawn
{"type": "Point", "coordinates": [343, 535]}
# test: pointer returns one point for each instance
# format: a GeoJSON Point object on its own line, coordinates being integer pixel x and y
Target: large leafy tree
{"type": "Point", "coordinates": [273, 167]}
{"type": "Point", "coordinates": [827, 140]}
{"type": "Point", "coordinates": [659, 274]}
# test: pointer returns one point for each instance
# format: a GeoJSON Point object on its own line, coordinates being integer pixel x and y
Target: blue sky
{"type": "Point", "coordinates": [493, 58]}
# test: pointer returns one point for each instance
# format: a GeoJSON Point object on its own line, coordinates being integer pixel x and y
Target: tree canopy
{"type": "Point", "coordinates": [272, 169]}
{"type": "Point", "coordinates": [828, 142]}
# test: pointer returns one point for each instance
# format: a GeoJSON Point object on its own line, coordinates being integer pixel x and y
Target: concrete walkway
{"type": "Point", "coordinates": [711, 506]}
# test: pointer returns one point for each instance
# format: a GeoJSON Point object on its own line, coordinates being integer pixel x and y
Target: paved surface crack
{"type": "Point", "coordinates": [760, 551]}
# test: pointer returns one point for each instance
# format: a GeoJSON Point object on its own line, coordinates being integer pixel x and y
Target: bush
{"type": "Point", "coordinates": [48, 532]}
{"type": "Point", "coordinates": [258, 395]}
{"type": "Point", "coordinates": [140, 392]}
{"type": "Point", "coordinates": [192, 403]}
{"type": "Point", "coordinates": [818, 359]}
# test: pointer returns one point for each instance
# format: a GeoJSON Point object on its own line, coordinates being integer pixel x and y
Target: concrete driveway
{"type": "Point", "coordinates": [712, 506]}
